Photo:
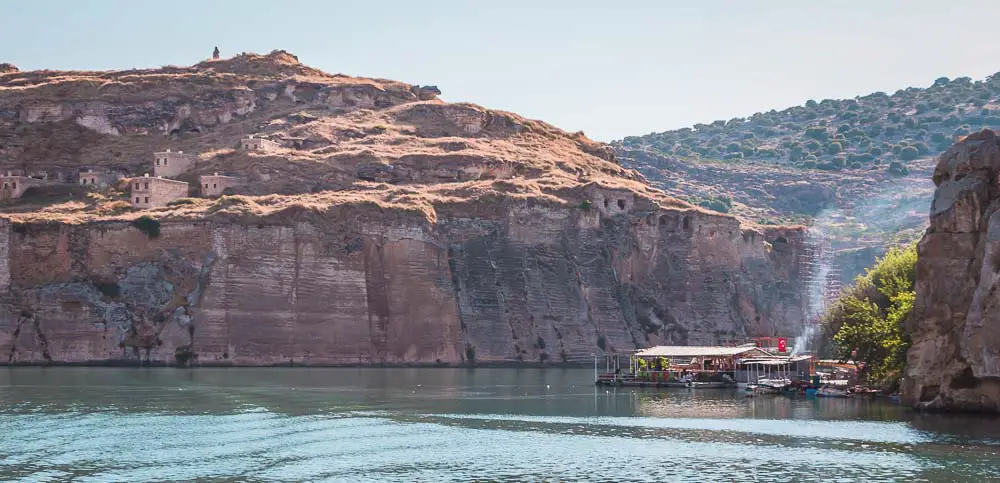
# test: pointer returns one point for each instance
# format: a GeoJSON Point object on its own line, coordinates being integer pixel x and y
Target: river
{"type": "Point", "coordinates": [356, 425]}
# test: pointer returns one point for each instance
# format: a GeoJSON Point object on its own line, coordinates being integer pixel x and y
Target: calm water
{"type": "Point", "coordinates": [109, 424]}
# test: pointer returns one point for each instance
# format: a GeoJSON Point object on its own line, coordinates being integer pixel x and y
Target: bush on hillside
{"type": "Point", "coordinates": [722, 203]}
{"type": "Point", "coordinates": [816, 132]}
{"type": "Point", "coordinates": [147, 225]}
{"type": "Point", "coordinates": [908, 153]}
{"type": "Point", "coordinates": [898, 169]}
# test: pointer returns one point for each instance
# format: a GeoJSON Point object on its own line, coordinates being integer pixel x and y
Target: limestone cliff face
{"type": "Point", "coordinates": [385, 226]}
{"type": "Point", "coordinates": [954, 362]}
{"type": "Point", "coordinates": [528, 282]}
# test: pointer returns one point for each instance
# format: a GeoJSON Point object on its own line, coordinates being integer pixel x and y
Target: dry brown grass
{"type": "Point", "coordinates": [443, 156]}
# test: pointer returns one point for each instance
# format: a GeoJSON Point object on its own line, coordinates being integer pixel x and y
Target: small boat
{"type": "Point", "coordinates": [827, 391]}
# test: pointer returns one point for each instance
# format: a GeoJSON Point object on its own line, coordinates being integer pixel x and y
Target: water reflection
{"type": "Point", "coordinates": [127, 424]}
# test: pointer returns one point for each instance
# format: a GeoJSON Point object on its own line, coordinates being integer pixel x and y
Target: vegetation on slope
{"type": "Point", "coordinates": [866, 323]}
{"type": "Point", "coordinates": [877, 130]}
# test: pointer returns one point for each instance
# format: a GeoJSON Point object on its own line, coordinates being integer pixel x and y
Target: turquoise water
{"type": "Point", "coordinates": [283, 424]}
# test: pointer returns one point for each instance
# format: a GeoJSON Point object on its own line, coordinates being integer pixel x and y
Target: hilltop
{"type": "Point", "coordinates": [856, 170]}
{"type": "Point", "coordinates": [877, 130]}
{"type": "Point", "coordinates": [333, 132]}
{"type": "Point", "coordinates": [255, 211]}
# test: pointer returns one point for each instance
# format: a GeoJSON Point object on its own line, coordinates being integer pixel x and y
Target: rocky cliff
{"type": "Point", "coordinates": [389, 227]}
{"type": "Point", "coordinates": [954, 360]}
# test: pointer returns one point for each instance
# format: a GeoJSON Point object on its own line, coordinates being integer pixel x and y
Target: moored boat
{"type": "Point", "coordinates": [828, 391]}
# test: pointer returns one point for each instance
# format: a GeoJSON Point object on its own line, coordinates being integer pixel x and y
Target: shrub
{"type": "Point", "coordinates": [898, 169]}
{"type": "Point", "coordinates": [722, 203]}
{"type": "Point", "coordinates": [809, 164]}
{"type": "Point", "coordinates": [110, 290]}
{"type": "Point", "coordinates": [834, 148]}
{"type": "Point", "coordinates": [816, 132]}
{"type": "Point", "coordinates": [908, 153]}
{"type": "Point", "coordinates": [860, 158]}
{"type": "Point", "coordinates": [147, 225]}
{"type": "Point", "coordinates": [182, 201]}
{"type": "Point", "coordinates": [856, 165]}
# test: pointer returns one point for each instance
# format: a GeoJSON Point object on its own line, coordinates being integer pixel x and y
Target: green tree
{"type": "Point", "coordinates": [816, 132]}
{"type": "Point", "coordinates": [867, 321]}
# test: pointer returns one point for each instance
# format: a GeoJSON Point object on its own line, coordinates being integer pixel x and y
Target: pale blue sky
{"type": "Point", "coordinates": [609, 68]}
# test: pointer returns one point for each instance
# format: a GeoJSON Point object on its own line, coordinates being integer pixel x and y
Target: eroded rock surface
{"type": "Point", "coordinates": [384, 226]}
{"type": "Point", "coordinates": [954, 362]}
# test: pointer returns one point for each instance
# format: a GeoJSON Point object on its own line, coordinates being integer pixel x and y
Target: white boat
{"type": "Point", "coordinates": [829, 391]}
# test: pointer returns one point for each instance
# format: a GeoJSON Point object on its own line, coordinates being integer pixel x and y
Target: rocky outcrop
{"type": "Point", "coordinates": [518, 281]}
{"type": "Point", "coordinates": [954, 360]}
{"type": "Point", "coordinates": [388, 227]}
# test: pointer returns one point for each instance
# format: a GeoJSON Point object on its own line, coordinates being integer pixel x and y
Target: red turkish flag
{"type": "Point", "coordinates": [782, 344]}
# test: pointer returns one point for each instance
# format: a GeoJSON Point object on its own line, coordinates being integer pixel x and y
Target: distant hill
{"type": "Point", "coordinates": [878, 131]}
{"type": "Point", "coordinates": [857, 171]}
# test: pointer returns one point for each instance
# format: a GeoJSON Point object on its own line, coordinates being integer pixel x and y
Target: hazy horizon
{"type": "Point", "coordinates": [609, 70]}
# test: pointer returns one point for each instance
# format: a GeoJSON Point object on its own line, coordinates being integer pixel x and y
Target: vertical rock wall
{"type": "Point", "coordinates": [526, 282]}
{"type": "Point", "coordinates": [954, 361]}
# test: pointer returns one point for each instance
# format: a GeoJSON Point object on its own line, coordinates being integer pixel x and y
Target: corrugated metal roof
{"type": "Point", "coordinates": [693, 351]}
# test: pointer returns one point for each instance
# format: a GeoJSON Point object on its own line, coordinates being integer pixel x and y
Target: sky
{"type": "Point", "coordinates": [608, 68]}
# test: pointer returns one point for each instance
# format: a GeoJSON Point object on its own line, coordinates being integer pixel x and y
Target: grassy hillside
{"type": "Point", "coordinates": [877, 131]}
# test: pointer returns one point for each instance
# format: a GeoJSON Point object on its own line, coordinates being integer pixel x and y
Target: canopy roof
{"type": "Point", "coordinates": [775, 360]}
{"type": "Point", "coordinates": [698, 351]}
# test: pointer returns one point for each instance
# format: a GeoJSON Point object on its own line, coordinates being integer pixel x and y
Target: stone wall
{"type": "Point", "coordinates": [14, 186]}
{"type": "Point", "coordinates": [216, 185]}
{"type": "Point", "coordinates": [171, 164]}
{"type": "Point", "coordinates": [149, 192]}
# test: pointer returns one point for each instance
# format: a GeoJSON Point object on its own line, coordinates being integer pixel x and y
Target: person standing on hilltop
{"type": "Point", "coordinates": [215, 53]}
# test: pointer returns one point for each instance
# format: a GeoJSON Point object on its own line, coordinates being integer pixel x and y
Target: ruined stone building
{"type": "Point", "coordinates": [216, 184]}
{"type": "Point", "coordinates": [14, 183]}
{"type": "Point", "coordinates": [98, 177]}
{"type": "Point", "coordinates": [254, 143]}
{"type": "Point", "coordinates": [14, 186]}
{"type": "Point", "coordinates": [155, 192]}
{"type": "Point", "coordinates": [170, 164]}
